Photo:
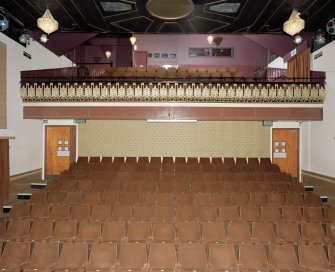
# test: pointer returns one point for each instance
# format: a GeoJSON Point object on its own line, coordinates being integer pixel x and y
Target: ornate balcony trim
{"type": "Point", "coordinates": [173, 92]}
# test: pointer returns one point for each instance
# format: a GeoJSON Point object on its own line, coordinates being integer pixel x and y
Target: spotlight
{"type": "Point", "coordinates": [25, 37]}
{"type": "Point", "coordinates": [44, 38]}
{"type": "Point", "coordinates": [320, 38]}
{"type": "Point", "coordinates": [3, 23]}
{"type": "Point", "coordinates": [297, 39]}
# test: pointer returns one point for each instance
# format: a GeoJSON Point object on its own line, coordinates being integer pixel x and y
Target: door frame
{"type": "Point", "coordinates": [289, 125]}
{"type": "Point", "coordinates": [74, 137]}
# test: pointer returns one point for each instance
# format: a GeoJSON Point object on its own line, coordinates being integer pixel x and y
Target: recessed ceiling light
{"type": "Point", "coordinates": [115, 6]}
{"type": "Point", "coordinates": [225, 7]}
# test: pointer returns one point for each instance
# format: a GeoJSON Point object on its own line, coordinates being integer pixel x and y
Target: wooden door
{"type": "Point", "coordinates": [60, 148]}
{"type": "Point", "coordinates": [140, 58]}
{"type": "Point", "coordinates": [285, 150]}
{"type": "Point", "coordinates": [4, 171]}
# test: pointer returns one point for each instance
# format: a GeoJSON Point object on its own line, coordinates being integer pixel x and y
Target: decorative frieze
{"type": "Point", "coordinates": [174, 91]}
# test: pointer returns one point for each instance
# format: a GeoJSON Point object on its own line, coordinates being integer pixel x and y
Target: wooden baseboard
{"type": "Point", "coordinates": [37, 172]}
{"type": "Point", "coordinates": [315, 176]}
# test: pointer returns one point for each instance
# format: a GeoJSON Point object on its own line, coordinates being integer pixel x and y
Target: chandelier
{"type": "Point", "coordinates": [47, 23]}
{"type": "Point", "coordinates": [294, 24]}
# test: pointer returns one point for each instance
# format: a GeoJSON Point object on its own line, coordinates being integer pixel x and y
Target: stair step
{"type": "Point", "coordinates": [309, 188]}
{"type": "Point", "coordinates": [38, 185]}
{"type": "Point", "coordinates": [6, 208]}
{"type": "Point", "coordinates": [26, 196]}
{"type": "Point", "coordinates": [324, 199]}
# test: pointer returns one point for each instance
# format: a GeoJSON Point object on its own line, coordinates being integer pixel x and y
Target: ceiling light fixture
{"type": "Point", "coordinates": [108, 53]}
{"type": "Point", "coordinates": [210, 39]}
{"type": "Point", "coordinates": [294, 24]}
{"type": "Point", "coordinates": [297, 39]}
{"type": "Point", "coordinates": [320, 38]}
{"type": "Point", "coordinates": [3, 23]}
{"type": "Point", "coordinates": [132, 40]}
{"type": "Point", "coordinates": [47, 23]}
{"type": "Point", "coordinates": [25, 37]}
{"type": "Point", "coordinates": [44, 38]}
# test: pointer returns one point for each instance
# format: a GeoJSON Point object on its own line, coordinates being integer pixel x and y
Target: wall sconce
{"type": "Point", "coordinates": [132, 40]}
{"type": "Point", "coordinates": [210, 39]}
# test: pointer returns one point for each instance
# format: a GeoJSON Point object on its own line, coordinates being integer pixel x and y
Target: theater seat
{"type": "Point", "coordinates": [192, 257]}
{"type": "Point", "coordinates": [162, 257]}
{"type": "Point", "coordinates": [278, 253]}
{"type": "Point", "coordinates": [14, 256]}
{"type": "Point", "coordinates": [132, 257]}
{"type": "Point", "coordinates": [72, 257]}
{"type": "Point", "coordinates": [103, 257]}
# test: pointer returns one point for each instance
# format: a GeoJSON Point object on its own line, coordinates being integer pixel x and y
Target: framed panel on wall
{"type": "Point", "coordinates": [215, 52]}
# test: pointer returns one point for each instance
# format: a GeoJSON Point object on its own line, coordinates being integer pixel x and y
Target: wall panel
{"type": "Point", "coordinates": [201, 139]}
{"type": "Point", "coordinates": [3, 99]}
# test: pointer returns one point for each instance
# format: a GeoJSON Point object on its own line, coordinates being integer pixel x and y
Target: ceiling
{"type": "Point", "coordinates": [131, 16]}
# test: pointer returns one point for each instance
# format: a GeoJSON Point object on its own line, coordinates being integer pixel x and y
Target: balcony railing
{"type": "Point", "coordinates": [91, 83]}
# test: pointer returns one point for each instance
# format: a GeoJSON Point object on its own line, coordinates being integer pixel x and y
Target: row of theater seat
{"type": "Point", "coordinates": [178, 199]}
{"type": "Point", "coordinates": [172, 160]}
{"type": "Point", "coordinates": [169, 232]}
{"type": "Point", "coordinates": [218, 73]}
{"type": "Point", "coordinates": [226, 221]}
{"type": "Point", "coordinates": [199, 213]}
{"type": "Point", "coordinates": [165, 257]}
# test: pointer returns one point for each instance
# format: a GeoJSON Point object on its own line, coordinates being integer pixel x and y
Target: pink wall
{"type": "Point", "coordinates": [248, 55]}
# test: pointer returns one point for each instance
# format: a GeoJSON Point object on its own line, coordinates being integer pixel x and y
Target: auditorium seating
{"type": "Point", "coordinates": [169, 214]}
{"type": "Point", "coordinates": [159, 73]}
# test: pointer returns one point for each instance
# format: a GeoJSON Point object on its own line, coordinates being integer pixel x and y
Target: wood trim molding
{"type": "Point", "coordinates": [152, 112]}
{"type": "Point", "coordinates": [317, 176]}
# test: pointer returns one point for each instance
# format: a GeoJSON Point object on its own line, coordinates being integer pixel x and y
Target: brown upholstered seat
{"type": "Point", "coordinates": [206, 213]}
{"type": "Point", "coordinates": [278, 253]}
{"type": "Point", "coordinates": [165, 199]}
{"type": "Point", "coordinates": [40, 211]}
{"type": "Point", "coordinates": [185, 214]}
{"type": "Point", "coordinates": [110, 198]}
{"type": "Point", "coordinates": [89, 232]}
{"type": "Point", "coordinates": [14, 256]}
{"type": "Point", "coordinates": [17, 230]}
{"type": "Point", "coordinates": [288, 233]}
{"type": "Point", "coordinates": [113, 231]}
{"type": "Point", "coordinates": [164, 213]}
{"type": "Point", "coordinates": [20, 211]}
{"type": "Point", "coordinates": [100, 212]}
{"type": "Point", "coordinates": [139, 232]}
{"type": "Point", "coordinates": [241, 199]}
{"type": "Point", "coordinates": [222, 199]}
{"type": "Point", "coordinates": [313, 214]}
{"type": "Point", "coordinates": [213, 232]}
{"type": "Point", "coordinates": [103, 257]}
{"type": "Point", "coordinates": [312, 233]}
{"type": "Point", "coordinates": [222, 258]}
{"type": "Point", "coordinates": [249, 213]}
{"type": "Point", "coordinates": [132, 257]}
{"type": "Point", "coordinates": [143, 213]}
{"type": "Point", "coordinates": [192, 257]}
{"type": "Point", "coordinates": [253, 258]}
{"type": "Point", "coordinates": [263, 232]}
{"type": "Point", "coordinates": [80, 212]}
{"type": "Point", "coordinates": [64, 231]}
{"type": "Point", "coordinates": [188, 232]}
{"type": "Point", "coordinates": [228, 214]}
{"type": "Point", "coordinates": [238, 232]}
{"type": "Point", "coordinates": [313, 257]}
{"type": "Point", "coordinates": [44, 257]}
{"type": "Point", "coordinates": [72, 257]}
{"type": "Point", "coordinates": [39, 196]}
{"type": "Point", "coordinates": [122, 212]}
{"type": "Point", "coordinates": [163, 232]}
{"type": "Point", "coordinates": [291, 213]}
{"type": "Point", "coordinates": [270, 214]}
{"type": "Point", "coordinates": [276, 199]}
{"type": "Point", "coordinates": [162, 257]}
{"type": "Point", "coordinates": [40, 230]}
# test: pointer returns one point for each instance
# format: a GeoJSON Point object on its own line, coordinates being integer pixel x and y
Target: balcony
{"type": "Point", "coordinates": [99, 83]}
